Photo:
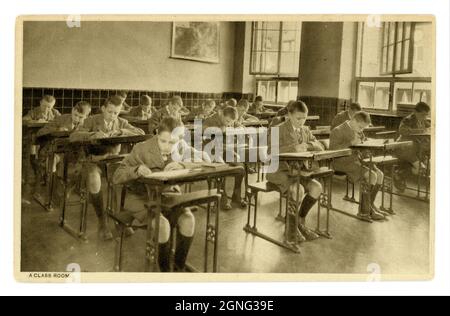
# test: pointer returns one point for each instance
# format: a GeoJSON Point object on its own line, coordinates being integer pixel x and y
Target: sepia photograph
{"type": "Point", "coordinates": [225, 148]}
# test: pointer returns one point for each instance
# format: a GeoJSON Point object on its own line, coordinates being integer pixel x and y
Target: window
{"type": "Point", "coordinates": [394, 65]}
{"type": "Point", "coordinates": [275, 58]}
{"type": "Point", "coordinates": [275, 48]}
{"type": "Point", "coordinates": [277, 90]}
{"type": "Point", "coordinates": [397, 48]}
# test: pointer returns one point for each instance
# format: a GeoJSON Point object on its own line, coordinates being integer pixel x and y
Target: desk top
{"type": "Point", "coordinates": [315, 155]}
{"type": "Point", "coordinates": [114, 140]}
{"type": "Point", "coordinates": [421, 134]}
{"type": "Point", "coordinates": [375, 128]}
{"type": "Point", "coordinates": [33, 124]}
{"type": "Point", "coordinates": [192, 174]}
{"type": "Point", "coordinates": [381, 144]}
{"type": "Point", "coordinates": [320, 131]}
{"type": "Point", "coordinates": [256, 124]}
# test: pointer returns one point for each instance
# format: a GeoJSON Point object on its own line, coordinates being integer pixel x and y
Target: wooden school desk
{"type": "Point", "coordinates": [29, 130]}
{"type": "Point", "coordinates": [84, 147]}
{"type": "Point", "coordinates": [56, 141]}
{"type": "Point", "coordinates": [296, 162]}
{"type": "Point", "coordinates": [371, 131]}
{"type": "Point", "coordinates": [368, 150]}
{"type": "Point", "coordinates": [155, 185]}
{"type": "Point", "coordinates": [425, 155]}
{"type": "Point", "coordinates": [137, 122]}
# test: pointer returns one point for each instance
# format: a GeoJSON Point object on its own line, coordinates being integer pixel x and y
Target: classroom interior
{"type": "Point", "coordinates": [387, 68]}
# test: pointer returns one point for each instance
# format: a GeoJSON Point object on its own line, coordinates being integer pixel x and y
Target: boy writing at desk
{"type": "Point", "coordinates": [205, 111]}
{"type": "Point", "coordinates": [153, 155]}
{"type": "Point", "coordinates": [220, 122]}
{"type": "Point", "coordinates": [345, 116]}
{"type": "Point", "coordinates": [414, 123]}
{"type": "Point", "coordinates": [172, 109]}
{"type": "Point", "coordinates": [294, 136]}
{"type": "Point", "coordinates": [106, 124]}
{"type": "Point", "coordinates": [65, 122]}
{"type": "Point", "coordinates": [343, 136]}
{"type": "Point", "coordinates": [242, 109]}
{"type": "Point", "coordinates": [144, 110]}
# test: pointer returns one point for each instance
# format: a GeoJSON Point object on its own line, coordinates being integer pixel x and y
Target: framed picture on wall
{"type": "Point", "coordinates": [197, 41]}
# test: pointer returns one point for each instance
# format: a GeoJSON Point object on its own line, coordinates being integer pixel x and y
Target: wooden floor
{"type": "Point", "coordinates": [400, 245]}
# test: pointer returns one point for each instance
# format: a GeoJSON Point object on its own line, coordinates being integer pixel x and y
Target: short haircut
{"type": "Point", "coordinates": [243, 103]}
{"type": "Point", "coordinates": [114, 100]}
{"type": "Point", "coordinates": [146, 100]}
{"type": "Point", "coordinates": [122, 93]}
{"type": "Point", "coordinates": [231, 102]}
{"type": "Point", "coordinates": [82, 107]}
{"type": "Point", "coordinates": [231, 112]}
{"type": "Point", "coordinates": [168, 124]}
{"type": "Point", "coordinates": [259, 98]}
{"type": "Point", "coordinates": [362, 116]}
{"type": "Point", "coordinates": [422, 107]}
{"type": "Point", "coordinates": [210, 103]}
{"type": "Point", "coordinates": [297, 106]}
{"type": "Point", "coordinates": [355, 107]}
{"type": "Point", "coordinates": [176, 99]}
{"type": "Point", "coordinates": [48, 98]}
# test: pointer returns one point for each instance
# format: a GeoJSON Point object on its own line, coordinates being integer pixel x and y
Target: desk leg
{"type": "Point", "coordinates": [46, 202]}
{"type": "Point", "coordinates": [152, 240]}
{"type": "Point", "coordinates": [325, 201]}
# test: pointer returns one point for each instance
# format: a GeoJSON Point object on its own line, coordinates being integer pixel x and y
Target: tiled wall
{"type": "Point", "coordinates": [325, 107]}
{"type": "Point", "coordinates": [66, 98]}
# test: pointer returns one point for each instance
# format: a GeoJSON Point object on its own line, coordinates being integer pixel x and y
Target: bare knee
{"type": "Point", "coordinates": [380, 176]}
{"type": "Point", "coordinates": [315, 189]}
{"type": "Point", "coordinates": [370, 177]}
{"type": "Point", "coordinates": [164, 230]}
{"type": "Point", "coordinates": [294, 190]}
{"type": "Point", "coordinates": [186, 223]}
{"type": "Point", "coordinates": [94, 182]}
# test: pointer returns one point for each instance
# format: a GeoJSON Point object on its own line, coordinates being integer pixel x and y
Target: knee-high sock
{"type": "Point", "coordinates": [182, 250]}
{"type": "Point", "coordinates": [374, 192]}
{"type": "Point", "coordinates": [237, 185]}
{"type": "Point", "coordinates": [307, 204]}
{"type": "Point", "coordinates": [164, 256]}
{"type": "Point", "coordinates": [97, 202]}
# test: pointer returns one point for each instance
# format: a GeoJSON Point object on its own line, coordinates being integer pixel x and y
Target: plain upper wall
{"type": "Point", "coordinates": [120, 55]}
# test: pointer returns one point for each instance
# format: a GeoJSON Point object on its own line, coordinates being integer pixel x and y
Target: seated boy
{"type": "Point", "coordinates": [345, 116]}
{"type": "Point", "coordinates": [123, 96]}
{"type": "Point", "coordinates": [45, 112]}
{"type": "Point", "coordinates": [222, 120]}
{"type": "Point", "coordinates": [242, 109]}
{"type": "Point", "coordinates": [203, 112]}
{"type": "Point", "coordinates": [106, 124]}
{"type": "Point", "coordinates": [258, 106]}
{"type": "Point", "coordinates": [294, 136]}
{"type": "Point", "coordinates": [343, 136]}
{"type": "Point", "coordinates": [172, 109]}
{"type": "Point", "coordinates": [144, 110]}
{"type": "Point", "coordinates": [155, 155]}
{"type": "Point", "coordinates": [414, 123]}
{"type": "Point", "coordinates": [65, 122]}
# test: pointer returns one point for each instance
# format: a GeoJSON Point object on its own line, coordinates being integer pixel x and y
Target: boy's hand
{"type": "Point", "coordinates": [117, 133]}
{"type": "Point", "coordinates": [173, 166]}
{"type": "Point", "coordinates": [301, 148]}
{"type": "Point", "coordinates": [143, 171]}
{"type": "Point", "coordinates": [42, 121]}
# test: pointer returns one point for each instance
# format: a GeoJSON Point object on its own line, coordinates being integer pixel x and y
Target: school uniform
{"type": "Point", "coordinates": [407, 125]}
{"type": "Point", "coordinates": [96, 123]}
{"type": "Point", "coordinates": [149, 154]}
{"type": "Point", "coordinates": [140, 112]}
{"type": "Point", "coordinates": [340, 118]}
{"type": "Point", "coordinates": [36, 113]}
{"type": "Point", "coordinates": [158, 116]}
{"type": "Point", "coordinates": [245, 118]}
{"type": "Point", "coordinates": [289, 138]}
{"type": "Point", "coordinates": [341, 137]}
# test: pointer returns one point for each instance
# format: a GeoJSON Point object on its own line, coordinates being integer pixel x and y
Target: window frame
{"type": "Point", "coordinates": [277, 80]}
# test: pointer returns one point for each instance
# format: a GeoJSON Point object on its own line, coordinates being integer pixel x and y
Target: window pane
{"type": "Point", "coordinates": [391, 32]}
{"type": "Point", "coordinates": [422, 92]}
{"type": "Point", "coordinates": [289, 42]}
{"type": "Point", "coordinates": [386, 34]}
{"type": "Point", "coordinates": [293, 26]}
{"type": "Point", "coordinates": [271, 91]}
{"type": "Point", "coordinates": [256, 62]}
{"type": "Point", "coordinates": [384, 65]}
{"type": "Point", "coordinates": [398, 57]}
{"type": "Point", "coordinates": [390, 58]}
{"type": "Point", "coordinates": [271, 25]}
{"type": "Point", "coordinates": [407, 30]}
{"type": "Point", "coordinates": [269, 63]}
{"type": "Point", "coordinates": [270, 40]}
{"type": "Point", "coordinates": [370, 52]}
{"type": "Point", "coordinates": [293, 90]}
{"type": "Point", "coordinates": [406, 54]}
{"type": "Point", "coordinates": [382, 95]}
{"type": "Point", "coordinates": [288, 64]}
{"type": "Point", "coordinates": [402, 94]}
{"type": "Point", "coordinates": [399, 31]}
{"type": "Point", "coordinates": [422, 62]}
{"type": "Point", "coordinates": [283, 91]}
{"type": "Point", "coordinates": [366, 94]}
{"type": "Point", "coordinates": [262, 89]}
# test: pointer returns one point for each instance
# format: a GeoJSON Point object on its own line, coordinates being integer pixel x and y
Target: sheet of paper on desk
{"type": "Point", "coordinates": [193, 165]}
{"type": "Point", "coordinates": [168, 174]}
